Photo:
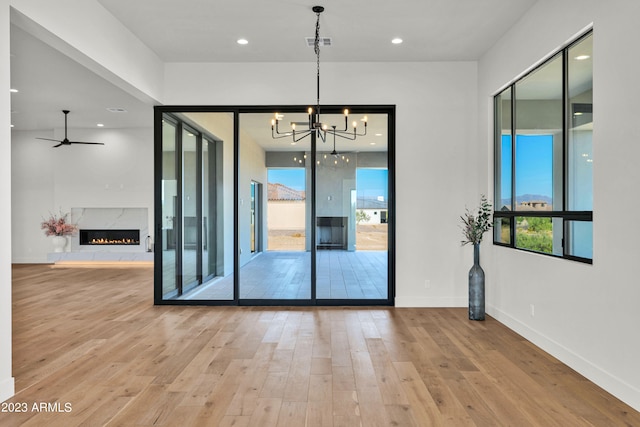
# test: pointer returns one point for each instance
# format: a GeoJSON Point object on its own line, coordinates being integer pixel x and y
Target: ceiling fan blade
{"type": "Point", "coordinates": [66, 141]}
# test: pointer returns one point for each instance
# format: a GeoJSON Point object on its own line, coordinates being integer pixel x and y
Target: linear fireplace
{"type": "Point", "coordinates": [109, 237]}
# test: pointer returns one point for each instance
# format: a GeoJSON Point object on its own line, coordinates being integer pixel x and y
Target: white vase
{"type": "Point", "coordinates": [59, 242]}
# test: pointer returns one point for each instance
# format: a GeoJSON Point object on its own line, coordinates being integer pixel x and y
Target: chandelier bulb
{"type": "Point", "coordinates": [346, 111]}
{"type": "Point", "coordinates": [310, 110]}
{"type": "Point", "coordinates": [293, 126]}
{"type": "Point", "coordinates": [355, 124]}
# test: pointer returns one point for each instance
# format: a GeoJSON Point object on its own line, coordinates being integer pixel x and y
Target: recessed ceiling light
{"type": "Point", "coordinates": [372, 143]}
{"type": "Point", "coordinates": [378, 134]}
{"type": "Point", "coordinates": [100, 125]}
{"type": "Point", "coordinates": [11, 125]}
{"type": "Point", "coordinates": [116, 110]}
{"type": "Point", "coordinates": [243, 41]}
{"type": "Point", "coordinates": [582, 57]}
{"type": "Point", "coordinates": [13, 90]}
{"type": "Point", "coordinates": [397, 40]}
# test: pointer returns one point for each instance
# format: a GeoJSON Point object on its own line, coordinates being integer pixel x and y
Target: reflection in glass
{"type": "Point", "coordinates": [580, 239]}
{"type": "Point", "coordinates": [190, 214]}
{"type": "Point", "coordinates": [503, 155]}
{"type": "Point", "coordinates": [580, 161]}
{"type": "Point", "coordinates": [168, 195]}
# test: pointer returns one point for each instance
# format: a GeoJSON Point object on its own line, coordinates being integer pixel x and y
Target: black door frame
{"type": "Point", "coordinates": [159, 111]}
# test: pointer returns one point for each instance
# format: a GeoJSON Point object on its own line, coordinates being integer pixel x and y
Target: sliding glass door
{"type": "Point", "coordinates": [244, 216]}
{"type": "Point", "coordinates": [352, 213]}
{"type": "Point", "coordinates": [191, 216]}
{"type": "Point", "coordinates": [281, 269]}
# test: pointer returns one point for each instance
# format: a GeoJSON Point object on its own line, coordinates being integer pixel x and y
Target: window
{"type": "Point", "coordinates": [544, 157]}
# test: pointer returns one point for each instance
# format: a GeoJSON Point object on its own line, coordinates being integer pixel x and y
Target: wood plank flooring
{"type": "Point", "coordinates": [89, 345]}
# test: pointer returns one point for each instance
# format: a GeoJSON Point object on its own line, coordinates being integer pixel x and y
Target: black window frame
{"type": "Point", "coordinates": [567, 216]}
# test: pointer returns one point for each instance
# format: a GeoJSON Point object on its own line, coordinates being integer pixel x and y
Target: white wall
{"type": "Point", "coordinates": [436, 134]}
{"type": "Point", "coordinates": [586, 315]}
{"type": "Point", "coordinates": [86, 32]}
{"type": "Point", "coordinates": [6, 380]}
{"type": "Point", "coordinates": [252, 168]}
{"type": "Point", "coordinates": [46, 180]}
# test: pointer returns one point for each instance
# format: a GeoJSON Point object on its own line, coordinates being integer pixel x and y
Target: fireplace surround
{"type": "Point", "coordinates": [110, 229]}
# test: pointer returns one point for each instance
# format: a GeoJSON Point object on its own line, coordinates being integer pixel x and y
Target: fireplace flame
{"type": "Point", "coordinates": [114, 242]}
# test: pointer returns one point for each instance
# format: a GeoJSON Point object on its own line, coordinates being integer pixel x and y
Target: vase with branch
{"type": "Point", "coordinates": [58, 227]}
{"type": "Point", "coordinates": [474, 225]}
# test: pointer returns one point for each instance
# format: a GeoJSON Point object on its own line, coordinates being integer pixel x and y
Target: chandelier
{"type": "Point", "coordinates": [314, 123]}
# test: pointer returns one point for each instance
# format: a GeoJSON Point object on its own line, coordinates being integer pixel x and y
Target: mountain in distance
{"type": "Point", "coordinates": [527, 198]}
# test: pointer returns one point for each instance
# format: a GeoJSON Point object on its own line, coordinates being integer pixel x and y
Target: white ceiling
{"type": "Point", "coordinates": [206, 30]}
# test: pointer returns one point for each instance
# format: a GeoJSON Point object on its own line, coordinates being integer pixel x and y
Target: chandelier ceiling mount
{"type": "Point", "coordinates": [315, 124]}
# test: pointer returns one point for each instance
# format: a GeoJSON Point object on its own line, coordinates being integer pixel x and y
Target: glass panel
{"type": "Point", "coordinates": [502, 230]}
{"type": "Point", "coordinates": [194, 216]}
{"type": "Point", "coordinates": [253, 214]}
{"type": "Point", "coordinates": [209, 210]}
{"type": "Point", "coordinates": [189, 210]}
{"type": "Point", "coordinates": [503, 151]}
{"type": "Point", "coordinates": [580, 160]}
{"type": "Point", "coordinates": [215, 216]}
{"type": "Point", "coordinates": [534, 234]}
{"type": "Point", "coordinates": [169, 194]}
{"type": "Point", "coordinates": [580, 239]}
{"type": "Point", "coordinates": [538, 180]}
{"type": "Point", "coordinates": [274, 180]}
{"type": "Point", "coordinates": [352, 195]}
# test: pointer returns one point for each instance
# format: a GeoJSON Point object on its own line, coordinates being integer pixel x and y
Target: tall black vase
{"type": "Point", "coordinates": [476, 287]}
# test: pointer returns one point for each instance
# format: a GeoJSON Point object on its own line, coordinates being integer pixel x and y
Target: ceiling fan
{"type": "Point", "coordinates": [66, 141]}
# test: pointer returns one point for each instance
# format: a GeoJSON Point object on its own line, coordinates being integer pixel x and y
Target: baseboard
{"type": "Point", "coordinates": [7, 389]}
{"type": "Point", "coordinates": [430, 302]}
{"type": "Point", "coordinates": [612, 384]}
{"type": "Point", "coordinates": [34, 260]}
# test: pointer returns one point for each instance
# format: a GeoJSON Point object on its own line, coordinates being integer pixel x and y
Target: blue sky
{"type": "Point", "coordinates": [370, 182]}
{"type": "Point", "coordinates": [534, 165]}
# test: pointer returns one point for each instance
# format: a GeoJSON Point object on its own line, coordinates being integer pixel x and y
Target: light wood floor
{"type": "Point", "coordinates": [91, 340]}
